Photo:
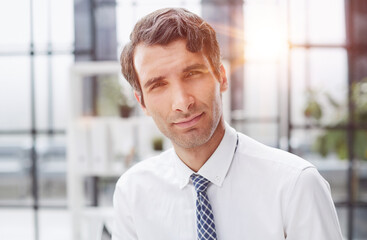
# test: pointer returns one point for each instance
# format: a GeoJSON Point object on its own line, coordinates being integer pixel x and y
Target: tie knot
{"type": "Point", "coordinates": [200, 183]}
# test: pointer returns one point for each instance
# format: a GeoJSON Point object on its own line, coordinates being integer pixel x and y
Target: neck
{"type": "Point", "coordinates": [196, 157]}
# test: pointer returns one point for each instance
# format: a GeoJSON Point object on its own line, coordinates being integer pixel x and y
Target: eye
{"type": "Point", "coordinates": [157, 85]}
{"type": "Point", "coordinates": [192, 73]}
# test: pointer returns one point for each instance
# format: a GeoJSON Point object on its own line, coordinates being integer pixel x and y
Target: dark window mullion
{"type": "Point", "coordinates": [350, 132]}
{"type": "Point", "coordinates": [50, 95]}
{"type": "Point", "coordinates": [29, 132]}
{"type": "Point", "coordinates": [33, 126]}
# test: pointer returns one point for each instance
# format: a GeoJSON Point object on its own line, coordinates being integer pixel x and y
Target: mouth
{"type": "Point", "coordinates": [188, 122]}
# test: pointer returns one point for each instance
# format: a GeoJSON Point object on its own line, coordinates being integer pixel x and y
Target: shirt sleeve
{"type": "Point", "coordinates": [123, 228]}
{"type": "Point", "coordinates": [311, 212]}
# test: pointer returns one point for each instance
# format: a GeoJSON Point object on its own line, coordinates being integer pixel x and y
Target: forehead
{"type": "Point", "coordinates": [163, 60]}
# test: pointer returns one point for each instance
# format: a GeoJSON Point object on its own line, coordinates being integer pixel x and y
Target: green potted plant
{"type": "Point", "coordinates": [157, 143]}
{"type": "Point", "coordinates": [114, 99]}
{"type": "Point", "coordinates": [334, 140]}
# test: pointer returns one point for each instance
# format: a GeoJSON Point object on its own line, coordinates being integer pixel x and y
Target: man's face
{"type": "Point", "coordinates": [180, 91]}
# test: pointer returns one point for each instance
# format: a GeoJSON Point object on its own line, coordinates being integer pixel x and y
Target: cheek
{"type": "Point", "coordinates": [212, 93]}
{"type": "Point", "coordinates": [156, 106]}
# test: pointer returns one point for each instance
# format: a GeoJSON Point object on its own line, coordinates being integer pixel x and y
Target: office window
{"type": "Point", "coordinates": [36, 51]}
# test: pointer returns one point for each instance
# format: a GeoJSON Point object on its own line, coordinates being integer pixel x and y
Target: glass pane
{"type": "Point", "coordinates": [314, 21]}
{"type": "Point", "coordinates": [62, 24]}
{"type": "Point", "coordinates": [319, 86]}
{"type": "Point", "coordinates": [15, 166]}
{"type": "Point", "coordinates": [359, 96]}
{"type": "Point", "coordinates": [326, 24]}
{"type": "Point", "coordinates": [54, 224]}
{"type": "Point", "coordinates": [360, 145]}
{"type": "Point", "coordinates": [17, 224]}
{"type": "Point", "coordinates": [297, 21]}
{"type": "Point", "coordinates": [59, 66]}
{"type": "Point", "coordinates": [266, 133]}
{"type": "Point", "coordinates": [362, 175]}
{"type": "Point", "coordinates": [41, 14]}
{"type": "Point", "coordinates": [360, 223]}
{"type": "Point", "coordinates": [14, 25]}
{"type": "Point", "coordinates": [298, 85]}
{"type": "Point", "coordinates": [51, 152]}
{"type": "Point", "coordinates": [329, 69]}
{"type": "Point", "coordinates": [264, 32]}
{"type": "Point", "coordinates": [60, 81]}
{"type": "Point", "coordinates": [261, 88]}
{"type": "Point", "coordinates": [328, 78]}
{"type": "Point", "coordinates": [42, 87]}
{"type": "Point", "coordinates": [325, 149]}
{"type": "Point", "coordinates": [14, 93]}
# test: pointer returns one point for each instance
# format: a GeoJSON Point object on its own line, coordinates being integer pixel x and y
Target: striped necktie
{"type": "Point", "coordinates": [204, 212]}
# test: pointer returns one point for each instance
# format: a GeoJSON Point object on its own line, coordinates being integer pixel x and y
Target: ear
{"type": "Point", "coordinates": [223, 79]}
{"type": "Point", "coordinates": [139, 99]}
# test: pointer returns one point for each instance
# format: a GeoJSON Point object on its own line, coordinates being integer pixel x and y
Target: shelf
{"type": "Point", "coordinates": [106, 174]}
{"type": "Point", "coordinates": [97, 212]}
{"type": "Point", "coordinates": [100, 146]}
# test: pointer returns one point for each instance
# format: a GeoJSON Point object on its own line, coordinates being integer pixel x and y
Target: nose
{"type": "Point", "coordinates": [182, 98]}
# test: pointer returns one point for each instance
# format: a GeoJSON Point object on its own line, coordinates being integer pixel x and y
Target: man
{"type": "Point", "coordinates": [215, 183]}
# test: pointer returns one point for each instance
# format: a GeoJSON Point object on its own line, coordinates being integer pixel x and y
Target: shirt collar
{"type": "Point", "coordinates": [216, 167]}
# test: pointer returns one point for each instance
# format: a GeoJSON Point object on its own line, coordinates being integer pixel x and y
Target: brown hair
{"type": "Point", "coordinates": [163, 27]}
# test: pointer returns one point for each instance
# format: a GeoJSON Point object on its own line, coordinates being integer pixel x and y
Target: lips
{"type": "Point", "coordinates": [188, 122]}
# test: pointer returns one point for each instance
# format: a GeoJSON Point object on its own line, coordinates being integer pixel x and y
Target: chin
{"type": "Point", "coordinates": [192, 138]}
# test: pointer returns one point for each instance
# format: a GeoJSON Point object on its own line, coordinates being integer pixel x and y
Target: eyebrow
{"type": "Point", "coordinates": [195, 66]}
{"type": "Point", "coordinates": [152, 81]}
{"type": "Point", "coordinates": [186, 69]}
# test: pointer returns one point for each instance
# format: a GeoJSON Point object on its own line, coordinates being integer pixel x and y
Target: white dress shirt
{"type": "Point", "coordinates": [256, 193]}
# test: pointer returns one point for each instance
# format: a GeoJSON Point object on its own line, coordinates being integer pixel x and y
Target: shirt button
{"type": "Point", "coordinates": [217, 178]}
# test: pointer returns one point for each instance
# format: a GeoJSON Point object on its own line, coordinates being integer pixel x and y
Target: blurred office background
{"type": "Point", "coordinates": [298, 72]}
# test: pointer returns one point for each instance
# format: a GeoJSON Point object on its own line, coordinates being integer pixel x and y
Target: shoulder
{"type": "Point", "coordinates": [289, 174]}
{"type": "Point", "coordinates": [267, 164]}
